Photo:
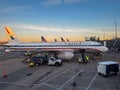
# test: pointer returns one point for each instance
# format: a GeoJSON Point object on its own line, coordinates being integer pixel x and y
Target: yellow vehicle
{"type": "Point", "coordinates": [28, 54]}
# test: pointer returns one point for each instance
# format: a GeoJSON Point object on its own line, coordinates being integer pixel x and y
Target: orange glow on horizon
{"type": "Point", "coordinates": [50, 38]}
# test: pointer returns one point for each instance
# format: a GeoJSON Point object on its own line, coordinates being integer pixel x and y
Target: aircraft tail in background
{"type": "Point", "coordinates": [55, 40]}
{"type": "Point", "coordinates": [62, 39]}
{"type": "Point", "coordinates": [43, 39]}
{"type": "Point", "coordinates": [10, 35]}
{"type": "Point", "coordinates": [67, 40]}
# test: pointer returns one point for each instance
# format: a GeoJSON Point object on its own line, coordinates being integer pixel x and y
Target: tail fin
{"type": "Point", "coordinates": [55, 40]}
{"type": "Point", "coordinates": [62, 39]}
{"type": "Point", "coordinates": [43, 39]}
{"type": "Point", "coordinates": [10, 35]}
{"type": "Point", "coordinates": [67, 40]}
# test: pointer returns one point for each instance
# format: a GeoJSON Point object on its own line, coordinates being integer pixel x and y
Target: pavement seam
{"type": "Point", "coordinates": [56, 75]}
{"type": "Point", "coordinates": [49, 85]}
{"type": "Point", "coordinates": [69, 80]}
{"type": "Point", "coordinates": [13, 83]}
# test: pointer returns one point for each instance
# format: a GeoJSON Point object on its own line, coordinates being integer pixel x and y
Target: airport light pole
{"type": "Point", "coordinates": [104, 34]}
{"type": "Point", "coordinates": [115, 29]}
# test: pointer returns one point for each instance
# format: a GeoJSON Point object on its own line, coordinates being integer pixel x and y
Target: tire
{"type": "Point", "coordinates": [115, 73]}
{"type": "Point", "coordinates": [99, 73]}
{"type": "Point", "coordinates": [57, 64]}
{"type": "Point", "coordinates": [61, 63]}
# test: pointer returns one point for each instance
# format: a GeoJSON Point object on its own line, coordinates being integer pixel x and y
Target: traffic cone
{"type": "Point", "coordinates": [5, 73]}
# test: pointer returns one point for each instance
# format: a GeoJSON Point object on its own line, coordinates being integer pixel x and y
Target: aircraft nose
{"type": "Point", "coordinates": [105, 49]}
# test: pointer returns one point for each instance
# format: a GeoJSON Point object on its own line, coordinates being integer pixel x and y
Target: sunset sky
{"type": "Point", "coordinates": [72, 19]}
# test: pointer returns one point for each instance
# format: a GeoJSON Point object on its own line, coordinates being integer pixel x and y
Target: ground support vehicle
{"type": "Point", "coordinates": [52, 61]}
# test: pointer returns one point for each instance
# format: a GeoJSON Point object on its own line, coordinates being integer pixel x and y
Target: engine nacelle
{"type": "Point", "coordinates": [7, 50]}
{"type": "Point", "coordinates": [65, 55]}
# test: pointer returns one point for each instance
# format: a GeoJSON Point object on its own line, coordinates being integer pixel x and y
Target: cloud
{"type": "Point", "coordinates": [14, 9]}
{"type": "Point", "coordinates": [60, 2]}
{"type": "Point", "coordinates": [51, 29]}
{"type": "Point", "coordinates": [73, 1]}
{"type": "Point", "coordinates": [51, 2]}
{"type": "Point", "coordinates": [46, 29]}
{"type": "Point", "coordinates": [29, 31]}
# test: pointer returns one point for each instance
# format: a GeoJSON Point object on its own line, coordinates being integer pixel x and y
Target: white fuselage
{"type": "Point", "coordinates": [62, 49]}
{"type": "Point", "coordinates": [89, 46]}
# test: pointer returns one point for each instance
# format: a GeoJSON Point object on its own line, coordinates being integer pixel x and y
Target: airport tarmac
{"type": "Point", "coordinates": [70, 76]}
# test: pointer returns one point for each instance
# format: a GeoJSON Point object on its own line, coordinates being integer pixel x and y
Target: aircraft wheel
{"type": "Point", "coordinates": [57, 64]}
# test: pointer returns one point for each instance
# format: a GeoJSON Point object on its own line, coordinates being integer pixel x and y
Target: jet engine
{"type": "Point", "coordinates": [7, 50]}
{"type": "Point", "coordinates": [65, 55]}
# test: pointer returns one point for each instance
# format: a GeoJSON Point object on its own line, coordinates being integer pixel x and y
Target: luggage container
{"type": "Point", "coordinates": [108, 67]}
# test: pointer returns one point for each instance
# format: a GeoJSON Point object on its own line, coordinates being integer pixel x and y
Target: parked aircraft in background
{"type": "Point", "coordinates": [62, 39]}
{"type": "Point", "coordinates": [64, 50]}
{"type": "Point", "coordinates": [43, 39]}
{"type": "Point", "coordinates": [67, 40]}
{"type": "Point", "coordinates": [55, 40]}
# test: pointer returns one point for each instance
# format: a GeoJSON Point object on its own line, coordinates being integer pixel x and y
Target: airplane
{"type": "Point", "coordinates": [64, 50]}
{"type": "Point", "coordinates": [67, 40]}
{"type": "Point", "coordinates": [43, 39]}
{"type": "Point", "coordinates": [62, 39]}
{"type": "Point", "coordinates": [55, 40]}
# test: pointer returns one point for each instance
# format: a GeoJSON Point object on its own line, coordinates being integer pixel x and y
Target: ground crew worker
{"type": "Point", "coordinates": [79, 59]}
{"type": "Point", "coordinates": [87, 58]}
{"type": "Point", "coordinates": [83, 57]}
{"type": "Point", "coordinates": [31, 64]}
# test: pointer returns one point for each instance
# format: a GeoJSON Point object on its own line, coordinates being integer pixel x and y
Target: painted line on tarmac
{"type": "Point", "coordinates": [47, 73]}
{"type": "Point", "coordinates": [70, 80]}
{"type": "Point", "coordinates": [49, 85]}
{"type": "Point", "coordinates": [1, 55]}
{"type": "Point", "coordinates": [56, 75]}
{"type": "Point", "coordinates": [10, 83]}
{"type": "Point", "coordinates": [90, 71]}
{"type": "Point", "coordinates": [36, 76]}
{"type": "Point", "coordinates": [91, 82]}
{"type": "Point", "coordinates": [44, 80]}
